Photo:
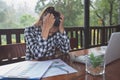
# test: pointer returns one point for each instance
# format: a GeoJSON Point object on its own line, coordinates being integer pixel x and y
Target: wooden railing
{"type": "Point", "coordinates": [9, 36]}
{"type": "Point", "coordinates": [76, 33]}
{"type": "Point", "coordinates": [97, 36]}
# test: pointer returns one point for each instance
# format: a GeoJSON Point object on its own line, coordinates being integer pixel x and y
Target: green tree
{"type": "Point", "coordinates": [26, 20]}
{"type": "Point", "coordinates": [7, 16]}
{"type": "Point", "coordinates": [3, 6]}
{"type": "Point", "coordinates": [105, 11]}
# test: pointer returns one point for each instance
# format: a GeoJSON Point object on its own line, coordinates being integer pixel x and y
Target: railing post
{"type": "Point", "coordinates": [86, 24]}
{"type": "Point", "coordinates": [118, 28]}
{"type": "Point", "coordinates": [103, 36]}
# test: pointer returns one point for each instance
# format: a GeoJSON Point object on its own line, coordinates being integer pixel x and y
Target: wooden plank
{"type": "Point", "coordinates": [12, 53]}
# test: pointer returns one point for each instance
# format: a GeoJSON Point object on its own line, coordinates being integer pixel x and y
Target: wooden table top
{"type": "Point", "coordinates": [112, 72]}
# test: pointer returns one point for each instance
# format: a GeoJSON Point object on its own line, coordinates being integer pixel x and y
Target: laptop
{"type": "Point", "coordinates": [113, 48]}
{"type": "Point", "coordinates": [111, 51]}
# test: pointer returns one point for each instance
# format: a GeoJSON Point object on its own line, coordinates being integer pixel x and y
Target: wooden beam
{"type": "Point", "coordinates": [86, 24]}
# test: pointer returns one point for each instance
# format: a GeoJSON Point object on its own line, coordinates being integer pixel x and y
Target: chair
{"type": "Point", "coordinates": [12, 53]}
{"type": "Point", "coordinates": [73, 43]}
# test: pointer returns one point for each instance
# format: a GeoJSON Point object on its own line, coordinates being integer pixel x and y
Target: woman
{"type": "Point", "coordinates": [46, 35]}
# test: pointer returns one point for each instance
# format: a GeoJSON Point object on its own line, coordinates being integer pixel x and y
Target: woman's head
{"type": "Point", "coordinates": [50, 10]}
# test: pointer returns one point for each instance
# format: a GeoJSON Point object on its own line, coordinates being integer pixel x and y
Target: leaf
{"type": "Point", "coordinates": [95, 60]}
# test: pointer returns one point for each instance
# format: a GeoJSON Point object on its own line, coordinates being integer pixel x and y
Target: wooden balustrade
{"type": "Point", "coordinates": [98, 36]}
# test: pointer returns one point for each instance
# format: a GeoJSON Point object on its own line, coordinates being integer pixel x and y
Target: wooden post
{"type": "Point", "coordinates": [118, 28]}
{"type": "Point", "coordinates": [86, 24]}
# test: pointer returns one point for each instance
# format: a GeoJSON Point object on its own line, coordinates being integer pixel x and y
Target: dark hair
{"type": "Point", "coordinates": [56, 14]}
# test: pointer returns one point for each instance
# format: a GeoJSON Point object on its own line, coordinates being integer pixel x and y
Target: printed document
{"type": "Point", "coordinates": [25, 69]}
{"type": "Point", "coordinates": [59, 67]}
{"type": "Point", "coordinates": [35, 69]}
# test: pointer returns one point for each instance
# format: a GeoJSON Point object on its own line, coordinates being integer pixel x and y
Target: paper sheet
{"type": "Point", "coordinates": [25, 69]}
{"type": "Point", "coordinates": [59, 67]}
{"type": "Point", "coordinates": [35, 69]}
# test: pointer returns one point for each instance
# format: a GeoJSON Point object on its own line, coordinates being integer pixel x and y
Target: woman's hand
{"type": "Point", "coordinates": [61, 27]}
{"type": "Point", "coordinates": [48, 22]}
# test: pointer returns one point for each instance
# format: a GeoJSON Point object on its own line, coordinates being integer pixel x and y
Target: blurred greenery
{"type": "Point", "coordinates": [102, 13]}
{"type": "Point", "coordinates": [26, 19]}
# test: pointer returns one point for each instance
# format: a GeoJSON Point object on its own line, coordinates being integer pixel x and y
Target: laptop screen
{"type": "Point", "coordinates": [113, 48]}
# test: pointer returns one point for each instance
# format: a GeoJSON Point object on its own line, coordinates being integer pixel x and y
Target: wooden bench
{"type": "Point", "coordinates": [12, 53]}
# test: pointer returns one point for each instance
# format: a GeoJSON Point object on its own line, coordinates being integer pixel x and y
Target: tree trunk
{"type": "Point", "coordinates": [110, 13]}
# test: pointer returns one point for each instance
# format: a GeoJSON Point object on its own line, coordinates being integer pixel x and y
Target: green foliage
{"type": "Point", "coordinates": [26, 20]}
{"type": "Point", "coordinates": [14, 18]}
{"type": "Point", "coordinates": [2, 17]}
{"type": "Point", "coordinates": [101, 14]}
{"type": "Point", "coordinates": [105, 11]}
{"type": "Point", "coordinates": [95, 60]}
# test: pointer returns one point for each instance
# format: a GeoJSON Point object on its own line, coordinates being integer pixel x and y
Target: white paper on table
{"type": "Point", "coordinates": [36, 69]}
{"type": "Point", "coordinates": [25, 69]}
{"type": "Point", "coordinates": [5, 68]}
{"type": "Point", "coordinates": [55, 70]}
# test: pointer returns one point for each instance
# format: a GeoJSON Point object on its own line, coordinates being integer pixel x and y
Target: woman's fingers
{"type": "Point", "coordinates": [51, 19]}
{"type": "Point", "coordinates": [48, 20]}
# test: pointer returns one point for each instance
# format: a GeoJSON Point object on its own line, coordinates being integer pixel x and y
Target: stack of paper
{"type": "Point", "coordinates": [35, 69]}
{"type": "Point", "coordinates": [59, 67]}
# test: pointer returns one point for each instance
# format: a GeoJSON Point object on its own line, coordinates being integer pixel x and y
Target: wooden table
{"type": "Point", "coordinates": [112, 72]}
